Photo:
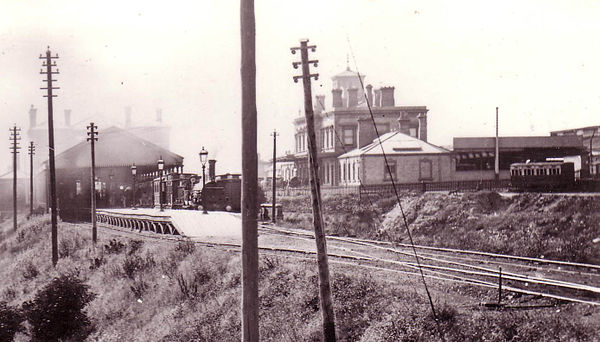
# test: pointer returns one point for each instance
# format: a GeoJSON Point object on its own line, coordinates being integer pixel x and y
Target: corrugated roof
{"type": "Point", "coordinates": [569, 141]}
{"type": "Point", "coordinates": [396, 143]}
{"type": "Point", "coordinates": [116, 147]}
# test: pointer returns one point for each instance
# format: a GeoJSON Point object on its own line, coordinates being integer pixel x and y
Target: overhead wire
{"type": "Point", "coordinates": [385, 158]}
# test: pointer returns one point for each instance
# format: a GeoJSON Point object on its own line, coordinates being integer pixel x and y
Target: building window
{"type": "Point", "coordinates": [392, 170]}
{"type": "Point", "coordinates": [77, 187]}
{"type": "Point", "coordinates": [348, 136]}
{"type": "Point", "coordinates": [425, 170]}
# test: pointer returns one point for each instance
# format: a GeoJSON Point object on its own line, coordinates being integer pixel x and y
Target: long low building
{"type": "Point", "coordinates": [475, 157]}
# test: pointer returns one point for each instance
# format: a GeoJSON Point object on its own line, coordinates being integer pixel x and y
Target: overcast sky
{"type": "Point", "coordinates": [539, 61]}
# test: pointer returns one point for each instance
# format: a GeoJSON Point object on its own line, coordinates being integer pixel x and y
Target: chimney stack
{"type": "Point", "coordinates": [127, 117]}
{"type": "Point", "coordinates": [387, 97]}
{"type": "Point", "coordinates": [67, 117]}
{"type": "Point", "coordinates": [320, 104]}
{"type": "Point", "coordinates": [370, 94]}
{"type": "Point", "coordinates": [422, 117]}
{"type": "Point", "coordinates": [403, 124]}
{"type": "Point", "coordinates": [159, 115]}
{"type": "Point", "coordinates": [337, 98]}
{"type": "Point", "coordinates": [377, 102]}
{"type": "Point", "coordinates": [211, 170]}
{"type": "Point", "coordinates": [32, 117]}
{"type": "Point", "coordinates": [352, 97]}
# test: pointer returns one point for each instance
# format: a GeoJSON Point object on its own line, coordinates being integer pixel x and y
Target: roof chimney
{"type": "Point", "coordinates": [387, 96]}
{"type": "Point", "coordinates": [32, 117]}
{"type": "Point", "coordinates": [337, 98]}
{"type": "Point", "coordinates": [67, 117]}
{"type": "Point", "coordinates": [320, 104]}
{"type": "Point", "coordinates": [127, 117]}
{"type": "Point", "coordinates": [422, 117]}
{"type": "Point", "coordinates": [159, 115]}
{"type": "Point", "coordinates": [211, 169]}
{"type": "Point", "coordinates": [403, 124]}
{"type": "Point", "coordinates": [377, 102]}
{"type": "Point", "coordinates": [352, 97]}
{"type": "Point", "coordinates": [370, 94]}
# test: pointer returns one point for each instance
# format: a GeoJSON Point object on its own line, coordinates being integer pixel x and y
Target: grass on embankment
{"type": "Point", "coordinates": [534, 225]}
{"type": "Point", "coordinates": [153, 291]}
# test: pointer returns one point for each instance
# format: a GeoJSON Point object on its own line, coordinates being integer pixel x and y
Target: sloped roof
{"type": "Point", "coordinates": [567, 141]}
{"type": "Point", "coordinates": [116, 147]}
{"type": "Point", "coordinates": [396, 143]}
{"type": "Point", "coordinates": [347, 73]}
{"type": "Point", "coordinates": [9, 175]}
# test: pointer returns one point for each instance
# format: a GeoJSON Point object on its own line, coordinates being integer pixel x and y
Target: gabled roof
{"type": "Point", "coordinates": [116, 147]}
{"type": "Point", "coordinates": [394, 144]}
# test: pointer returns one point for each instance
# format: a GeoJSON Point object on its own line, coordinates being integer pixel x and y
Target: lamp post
{"type": "Point", "coordinates": [161, 165]}
{"type": "Point", "coordinates": [133, 173]}
{"type": "Point", "coordinates": [203, 157]}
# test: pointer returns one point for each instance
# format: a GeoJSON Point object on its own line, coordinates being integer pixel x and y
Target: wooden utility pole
{"type": "Point", "coordinates": [497, 152]}
{"type": "Point", "coordinates": [249, 175]}
{"type": "Point", "coordinates": [31, 153]}
{"type": "Point", "coordinates": [274, 134]}
{"type": "Point", "coordinates": [15, 137]}
{"type": "Point", "coordinates": [92, 136]}
{"type": "Point", "coordinates": [315, 187]}
{"type": "Point", "coordinates": [48, 63]}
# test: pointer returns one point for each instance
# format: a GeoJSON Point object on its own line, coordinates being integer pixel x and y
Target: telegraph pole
{"type": "Point", "coordinates": [15, 137]}
{"type": "Point", "coordinates": [31, 153]}
{"type": "Point", "coordinates": [315, 187]}
{"type": "Point", "coordinates": [250, 175]}
{"type": "Point", "coordinates": [497, 152]}
{"type": "Point", "coordinates": [92, 136]}
{"type": "Point", "coordinates": [48, 63]}
{"type": "Point", "coordinates": [274, 134]}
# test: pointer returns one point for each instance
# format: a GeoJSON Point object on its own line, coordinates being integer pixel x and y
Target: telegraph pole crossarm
{"type": "Point", "coordinates": [322, 260]}
{"type": "Point", "coordinates": [92, 137]}
{"type": "Point", "coordinates": [49, 63]}
{"type": "Point", "coordinates": [15, 133]}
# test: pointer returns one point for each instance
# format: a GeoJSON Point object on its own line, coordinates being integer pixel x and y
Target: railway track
{"type": "Point", "coordinates": [534, 277]}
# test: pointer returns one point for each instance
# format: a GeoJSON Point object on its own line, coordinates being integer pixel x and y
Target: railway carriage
{"type": "Point", "coordinates": [542, 176]}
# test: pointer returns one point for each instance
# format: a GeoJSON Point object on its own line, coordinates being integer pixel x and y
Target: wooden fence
{"type": "Point", "coordinates": [388, 189]}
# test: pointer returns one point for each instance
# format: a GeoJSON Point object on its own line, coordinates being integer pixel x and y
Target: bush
{"type": "Point", "coordinates": [57, 310]}
{"type": "Point", "coordinates": [134, 246]}
{"type": "Point", "coordinates": [10, 322]}
{"type": "Point", "coordinates": [114, 247]}
{"type": "Point", "coordinates": [30, 271]}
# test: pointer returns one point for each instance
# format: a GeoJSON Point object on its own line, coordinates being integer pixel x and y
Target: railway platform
{"type": "Point", "coordinates": [190, 223]}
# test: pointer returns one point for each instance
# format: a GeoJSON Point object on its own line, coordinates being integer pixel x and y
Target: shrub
{"type": "Point", "coordinates": [185, 247]}
{"type": "Point", "coordinates": [30, 271]}
{"type": "Point", "coordinates": [134, 246]}
{"type": "Point", "coordinates": [114, 247]}
{"type": "Point", "coordinates": [135, 263]}
{"type": "Point", "coordinates": [10, 322]}
{"type": "Point", "coordinates": [57, 310]}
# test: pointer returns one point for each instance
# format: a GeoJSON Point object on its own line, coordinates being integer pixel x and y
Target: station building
{"type": "Point", "coordinates": [590, 136]}
{"type": "Point", "coordinates": [115, 152]}
{"type": "Point", "coordinates": [475, 157]}
{"type": "Point", "coordinates": [348, 125]}
{"type": "Point", "coordinates": [410, 160]}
